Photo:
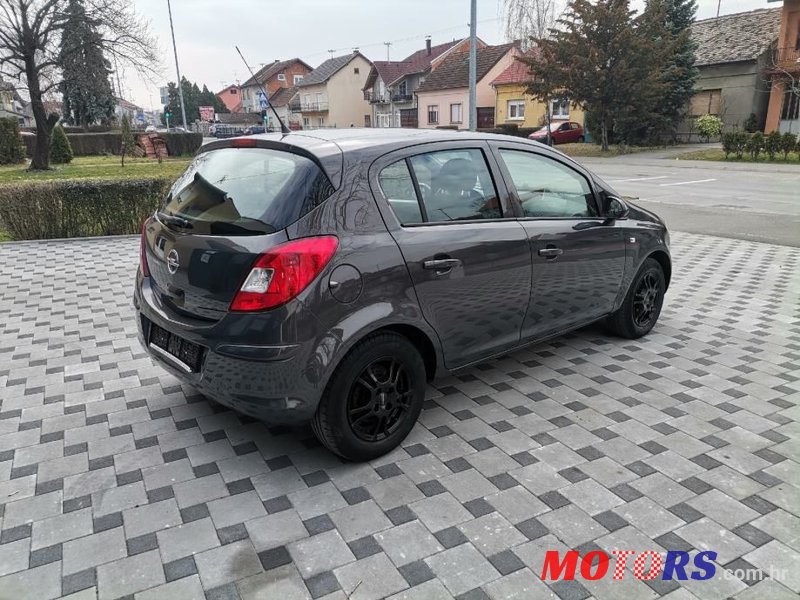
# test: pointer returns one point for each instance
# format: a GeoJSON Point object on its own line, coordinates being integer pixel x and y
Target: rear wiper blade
{"type": "Point", "coordinates": [174, 220]}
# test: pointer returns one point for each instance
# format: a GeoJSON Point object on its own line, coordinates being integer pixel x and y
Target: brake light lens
{"type": "Point", "coordinates": [244, 143]}
{"type": "Point", "coordinates": [143, 251]}
{"type": "Point", "coordinates": [282, 273]}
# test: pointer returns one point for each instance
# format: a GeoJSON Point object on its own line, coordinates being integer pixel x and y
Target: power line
{"type": "Point", "coordinates": [333, 51]}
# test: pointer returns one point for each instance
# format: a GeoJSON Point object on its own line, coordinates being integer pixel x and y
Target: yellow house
{"type": "Point", "coordinates": [514, 106]}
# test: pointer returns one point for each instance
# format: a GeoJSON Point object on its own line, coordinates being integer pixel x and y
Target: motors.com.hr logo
{"type": "Point", "coordinates": [647, 565]}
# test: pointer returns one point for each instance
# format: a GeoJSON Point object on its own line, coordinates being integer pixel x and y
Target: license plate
{"type": "Point", "coordinates": [188, 353]}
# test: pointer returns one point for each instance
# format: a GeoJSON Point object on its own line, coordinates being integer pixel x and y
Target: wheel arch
{"type": "Point", "coordinates": [662, 258]}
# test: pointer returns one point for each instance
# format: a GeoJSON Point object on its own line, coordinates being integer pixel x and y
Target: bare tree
{"type": "Point", "coordinates": [529, 21]}
{"type": "Point", "coordinates": [30, 34]}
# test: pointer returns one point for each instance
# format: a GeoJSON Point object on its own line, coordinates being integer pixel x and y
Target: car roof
{"type": "Point", "coordinates": [329, 146]}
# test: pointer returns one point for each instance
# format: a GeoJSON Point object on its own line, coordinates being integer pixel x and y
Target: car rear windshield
{"type": "Point", "coordinates": [244, 191]}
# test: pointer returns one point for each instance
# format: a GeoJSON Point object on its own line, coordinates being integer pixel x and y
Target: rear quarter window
{"type": "Point", "coordinates": [244, 191]}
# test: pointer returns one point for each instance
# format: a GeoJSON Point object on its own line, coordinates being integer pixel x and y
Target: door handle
{"type": "Point", "coordinates": [551, 252]}
{"type": "Point", "coordinates": [441, 264]}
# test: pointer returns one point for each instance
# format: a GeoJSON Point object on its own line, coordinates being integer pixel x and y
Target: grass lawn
{"type": "Point", "coordinates": [97, 167]}
{"type": "Point", "coordinates": [594, 150]}
{"type": "Point", "coordinates": [718, 154]}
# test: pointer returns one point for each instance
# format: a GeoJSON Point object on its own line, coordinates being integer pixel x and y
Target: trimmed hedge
{"type": "Point", "coordinates": [78, 208]}
{"type": "Point", "coordinates": [103, 144]}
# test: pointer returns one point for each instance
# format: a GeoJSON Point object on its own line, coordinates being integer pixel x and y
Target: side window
{"type": "Point", "coordinates": [456, 185]}
{"type": "Point", "coordinates": [547, 188]}
{"type": "Point", "coordinates": [398, 187]}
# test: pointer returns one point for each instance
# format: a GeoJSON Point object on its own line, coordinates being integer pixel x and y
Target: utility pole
{"type": "Point", "coordinates": [388, 46]}
{"type": "Point", "coordinates": [177, 68]}
{"type": "Point", "coordinates": [473, 65]}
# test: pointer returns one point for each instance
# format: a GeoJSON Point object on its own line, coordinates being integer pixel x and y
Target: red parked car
{"type": "Point", "coordinates": [562, 133]}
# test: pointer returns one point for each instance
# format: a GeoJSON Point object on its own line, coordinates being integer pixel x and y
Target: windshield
{"type": "Point", "coordinates": [244, 191]}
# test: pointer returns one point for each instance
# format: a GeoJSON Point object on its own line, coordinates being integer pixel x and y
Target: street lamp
{"type": "Point", "coordinates": [177, 68]}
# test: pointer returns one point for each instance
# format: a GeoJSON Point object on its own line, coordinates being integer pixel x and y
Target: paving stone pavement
{"type": "Point", "coordinates": [118, 481]}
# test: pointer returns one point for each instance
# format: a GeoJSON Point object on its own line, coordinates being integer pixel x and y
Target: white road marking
{"type": "Point", "coordinates": [685, 182]}
{"type": "Point", "coordinates": [637, 179]}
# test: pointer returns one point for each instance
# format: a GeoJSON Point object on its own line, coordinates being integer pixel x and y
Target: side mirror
{"type": "Point", "coordinates": [615, 208]}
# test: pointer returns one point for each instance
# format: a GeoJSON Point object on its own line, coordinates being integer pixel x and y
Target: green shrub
{"type": "Point", "coordinates": [78, 208]}
{"type": "Point", "coordinates": [709, 126]}
{"type": "Point", "coordinates": [755, 144]}
{"type": "Point", "coordinates": [772, 144]}
{"type": "Point", "coordinates": [751, 123]}
{"type": "Point", "coordinates": [729, 143]}
{"type": "Point", "coordinates": [60, 148]}
{"type": "Point", "coordinates": [741, 144]}
{"type": "Point", "coordinates": [12, 150]}
{"type": "Point", "coordinates": [788, 144]}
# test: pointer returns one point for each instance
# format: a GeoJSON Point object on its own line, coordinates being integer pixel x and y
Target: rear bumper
{"type": "Point", "coordinates": [267, 382]}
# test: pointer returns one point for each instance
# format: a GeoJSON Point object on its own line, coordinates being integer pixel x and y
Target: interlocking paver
{"type": "Point", "coordinates": [684, 439]}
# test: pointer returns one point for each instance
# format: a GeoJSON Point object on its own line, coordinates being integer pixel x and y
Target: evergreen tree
{"type": "Point", "coordinates": [60, 148]}
{"type": "Point", "coordinates": [193, 99]}
{"type": "Point", "coordinates": [86, 88]}
{"type": "Point", "coordinates": [599, 60]}
{"type": "Point", "coordinates": [667, 24]}
{"type": "Point", "coordinates": [128, 141]}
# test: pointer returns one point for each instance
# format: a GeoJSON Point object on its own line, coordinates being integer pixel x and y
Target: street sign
{"type": "Point", "coordinates": [262, 100]}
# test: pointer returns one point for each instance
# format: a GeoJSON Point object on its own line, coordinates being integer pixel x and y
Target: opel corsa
{"type": "Point", "coordinates": [326, 276]}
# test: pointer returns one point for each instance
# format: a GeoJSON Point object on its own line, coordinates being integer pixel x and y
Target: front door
{"type": "Point", "coordinates": [578, 257]}
{"type": "Point", "coordinates": [467, 255]}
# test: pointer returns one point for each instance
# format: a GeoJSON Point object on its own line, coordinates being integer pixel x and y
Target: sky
{"type": "Point", "coordinates": [265, 30]}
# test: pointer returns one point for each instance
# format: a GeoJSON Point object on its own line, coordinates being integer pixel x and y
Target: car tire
{"type": "Point", "coordinates": [359, 398]}
{"type": "Point", "coordinates": [642, 306]}
{"type": "Point", "coordinates": [581, 139]}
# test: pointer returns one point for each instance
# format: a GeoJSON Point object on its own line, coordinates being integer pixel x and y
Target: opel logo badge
{"type": "Point", "coordinates": [173, 261]}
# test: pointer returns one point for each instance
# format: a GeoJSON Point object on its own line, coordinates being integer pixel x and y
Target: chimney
{"type": "Point", "coordinates": [428, 44]}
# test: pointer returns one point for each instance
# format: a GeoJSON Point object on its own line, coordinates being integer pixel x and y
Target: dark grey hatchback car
{"type": "Point", "coordinates": [326, 276]}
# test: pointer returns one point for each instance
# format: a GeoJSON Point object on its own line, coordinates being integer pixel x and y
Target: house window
{"type": "Point", "coordinates": [706, 102]}
{"type": "Point", "coordinates": [433, 114]}
{"type": "Point", "coordinates": [320, 121]}
{"type": "Point", "coordinates": [355, 71]}
{"type": "Point", "coordinates": [559, 109]}
{"type": "Point", "coordinates": [402, 90]}
{"type": "Point", "coordinates": [281, 76]}
{"type": "Point", "coordinates": [298, 79]}
{"type": "Point", "coordinates": [455, 113]}
{"type": "Point", "coordinates": [367, 121]}
{"type": "Point", "coordinates": [306, 122]}
{"type": "Point", "coordinates": [516, 110]}
{"type": "Point", "coordinates": [234, 91]}
{"type": "Point", "coordinates": [790, 110]}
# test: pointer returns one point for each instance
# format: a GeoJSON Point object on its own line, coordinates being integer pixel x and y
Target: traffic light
{"type": "Point", "coordinates": [168, 114]}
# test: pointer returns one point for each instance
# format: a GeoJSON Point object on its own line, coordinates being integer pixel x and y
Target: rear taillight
{"type": "Point", "coordinates": [143, 251]}
{"type": "Point", "coordinates": [282, 273]}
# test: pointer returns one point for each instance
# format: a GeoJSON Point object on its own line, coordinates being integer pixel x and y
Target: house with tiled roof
{"type": "Point", "coordinates": [285, 103]}
{"type": "Point", "coordinates": [391, 85]}
{"type": "Point", "coordinates": [443, 98]}
{"type": "Point", "coordinates": [783, 113]}
{"type": "Point", "coordinates": [332, 94]}
{"type": "Point", "coordinates": [733, 55]}
{"type": "Point", "coordinates": [272, 77]}
{"type": "Point", "coordinates": [514, 106]}
{"type": "Point", "coordinates": [12, 105]}
{"type": "Point", "coordinates": [231, 97]}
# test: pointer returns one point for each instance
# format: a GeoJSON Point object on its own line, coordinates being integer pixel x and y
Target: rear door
{"type": "Point", "coordinates": [578, 256]}
{"type": "Point", "coordinates": [466, 253]}
{"type": "Point", "coordinates": [230, 205]}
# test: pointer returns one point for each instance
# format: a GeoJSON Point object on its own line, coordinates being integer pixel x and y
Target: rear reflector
{"type": "Point", "coordinates": [244, 143]}
{"type": "Point", "coordinates": [281, 274]}
{"type": "Point", "coordinates": [143, 251]}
